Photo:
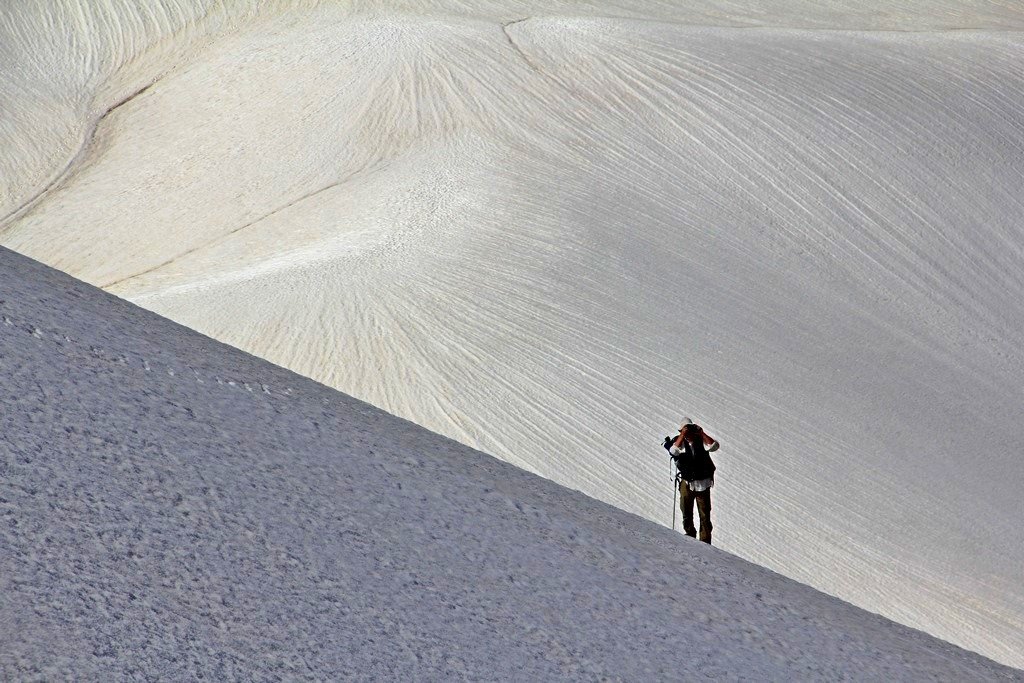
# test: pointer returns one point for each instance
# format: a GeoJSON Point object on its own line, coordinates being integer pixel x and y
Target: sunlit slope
{"type": "Point", "coordinates": [552, 238]}
{"type": "Point", "coordinates": [65, 64]}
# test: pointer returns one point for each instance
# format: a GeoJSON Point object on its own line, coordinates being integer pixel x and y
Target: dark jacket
{"type": "Point", "coordinates": [694, 463]}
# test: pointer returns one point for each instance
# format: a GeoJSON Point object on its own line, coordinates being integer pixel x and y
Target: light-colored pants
{"type": "Point", "coordinates": [703, 500]}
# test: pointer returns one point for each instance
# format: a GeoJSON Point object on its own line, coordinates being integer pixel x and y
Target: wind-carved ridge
{"type": "Point", "coordinates": [26, 208]}
{"type": "Point", "coordinates": [529, 61]}
{"type": "Point", "coordinates": [229, 233]}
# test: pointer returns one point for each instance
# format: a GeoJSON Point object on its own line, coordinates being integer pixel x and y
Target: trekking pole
{"type": "Point", "coordinates": [674, 491]}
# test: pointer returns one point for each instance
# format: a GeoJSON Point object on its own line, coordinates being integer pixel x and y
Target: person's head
{"type": "Point", "coordinates": [692, 432]}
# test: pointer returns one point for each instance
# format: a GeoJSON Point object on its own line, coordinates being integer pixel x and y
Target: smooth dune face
{"type": "Point", "coordinates": [550, 232]}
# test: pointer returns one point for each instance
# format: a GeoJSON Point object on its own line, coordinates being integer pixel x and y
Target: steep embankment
{"type": "Point", "coordinates": [172, 506]}
{"type": "Point", "coordinates": [551, 237]}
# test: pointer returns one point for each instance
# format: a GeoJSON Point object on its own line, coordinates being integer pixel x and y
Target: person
{"type": "Point", "coordinates": [691, 451]}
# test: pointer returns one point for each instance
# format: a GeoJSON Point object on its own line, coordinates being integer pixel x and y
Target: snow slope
{"type": "Point", "coordinates": [549, 230]}
{"type": "Point", "coordinates": [172, 507]}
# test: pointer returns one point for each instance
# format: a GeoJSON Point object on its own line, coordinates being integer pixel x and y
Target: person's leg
{"type": "Point", "coordinates": [686, 505]}
{"type": "Point", "coordinates": [704, 510]}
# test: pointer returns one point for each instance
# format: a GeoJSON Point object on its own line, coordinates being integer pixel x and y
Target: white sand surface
{"type": "Point", "coordinates": [550, 230]}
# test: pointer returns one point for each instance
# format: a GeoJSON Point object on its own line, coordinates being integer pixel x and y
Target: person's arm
{"type": "Point", "coordinates": [678, 443]}
{"type": "Point", "coordinates": [710, 444]}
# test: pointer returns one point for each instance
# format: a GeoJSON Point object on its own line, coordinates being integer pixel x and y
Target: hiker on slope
{"type": "Point", "coordinates": [690, 451]}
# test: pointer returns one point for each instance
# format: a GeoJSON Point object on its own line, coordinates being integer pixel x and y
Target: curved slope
{"type": "Point", "coordinates": [550, 238]}
{"type": "Point", "coordinates": [173, 507]}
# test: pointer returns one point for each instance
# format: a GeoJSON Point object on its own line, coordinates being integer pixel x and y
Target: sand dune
{"type": "Point", "coordinates": [550, 233]}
